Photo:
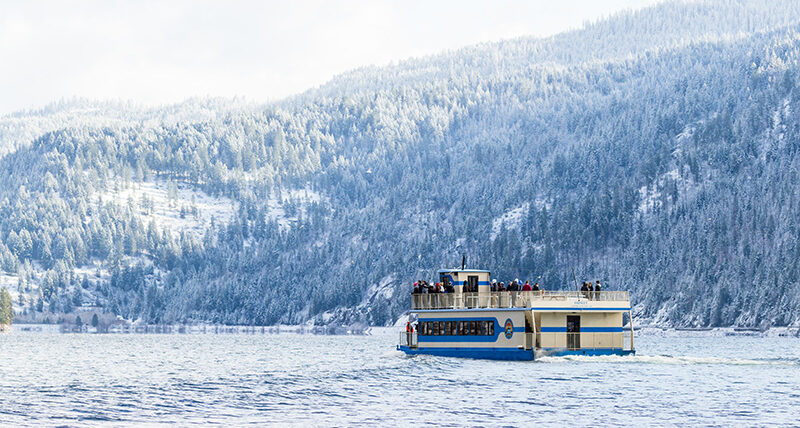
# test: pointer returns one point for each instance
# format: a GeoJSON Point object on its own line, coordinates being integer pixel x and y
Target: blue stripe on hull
{"type": "Point", "coordinates": [583, 330]}
{"type": "Point", "coordinates": [513, 354]}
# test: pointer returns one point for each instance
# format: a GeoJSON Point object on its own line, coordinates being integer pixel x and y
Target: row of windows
{"type": "Point", "coordinates": [456, 328]}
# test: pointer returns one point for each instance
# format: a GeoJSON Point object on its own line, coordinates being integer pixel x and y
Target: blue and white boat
{"type": "Point", "coordinates": [515, 325]}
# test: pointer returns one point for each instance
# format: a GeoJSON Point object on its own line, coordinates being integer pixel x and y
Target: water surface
{"type": "Point", "coordinates": [292, 379]}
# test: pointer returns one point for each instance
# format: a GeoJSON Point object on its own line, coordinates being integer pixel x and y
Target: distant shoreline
{"type": "Point", "coordinates": [133, 328]}
{"type": "Point", "coordinates": [360, 330]}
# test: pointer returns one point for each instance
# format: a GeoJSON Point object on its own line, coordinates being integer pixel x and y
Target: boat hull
{"type": "Point", "coordinates": [562, 352]}
{"type": "Point", "coordinates": [509, 354]}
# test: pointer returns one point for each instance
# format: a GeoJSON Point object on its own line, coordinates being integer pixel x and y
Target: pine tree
{"type": "Point", "coordinates": [95, 321]}
{"type": "Point", "coordinates": [6, 308]}
{"type": "Point", "coordinates": [77, 297]}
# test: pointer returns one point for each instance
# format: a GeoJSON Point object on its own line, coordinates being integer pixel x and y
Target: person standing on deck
{"type": "Point", "coordinates": [591, 290]}
{"type": "Point", "coordinates": [526, 295]}
{"type": "Point", "coordinates": [597, 290]}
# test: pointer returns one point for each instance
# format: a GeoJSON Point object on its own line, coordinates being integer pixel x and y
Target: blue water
{"type": "Point", "coordinates": [289, 379]}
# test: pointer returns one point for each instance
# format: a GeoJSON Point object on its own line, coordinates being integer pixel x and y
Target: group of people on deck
{"type": "Point", "coordinates": [424, 287]}
{"type": "Point", "coordinates": [515, 286]}
{"type": "Point", "coordinates": [590, 291]}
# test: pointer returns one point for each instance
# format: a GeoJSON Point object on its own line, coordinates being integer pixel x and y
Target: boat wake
{"type": "Point", "coordinates": [668, 359]}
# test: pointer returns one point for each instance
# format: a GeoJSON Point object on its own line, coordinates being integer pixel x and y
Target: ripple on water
{"type": "Point", "coordinates": [313, 380]}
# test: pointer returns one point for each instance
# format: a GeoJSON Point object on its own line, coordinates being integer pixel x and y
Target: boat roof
{"type": "Point", "coordinates": [463, 270]}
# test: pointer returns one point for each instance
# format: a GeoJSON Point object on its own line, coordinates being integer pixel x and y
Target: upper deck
{"type": "Point", "coordinates": [610, 300]}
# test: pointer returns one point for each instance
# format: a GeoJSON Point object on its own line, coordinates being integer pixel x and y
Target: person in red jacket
{"type": "Point", "coordinates": [527, 286]}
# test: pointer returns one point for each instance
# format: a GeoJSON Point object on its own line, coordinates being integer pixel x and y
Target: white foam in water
{"type": "Point", "coordinates": [663, 359]}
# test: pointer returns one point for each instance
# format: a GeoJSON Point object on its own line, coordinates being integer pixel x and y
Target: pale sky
{"type": "Point", "coordinates": [159, 52]}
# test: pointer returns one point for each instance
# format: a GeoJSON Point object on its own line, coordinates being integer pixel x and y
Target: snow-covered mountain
{"type": "Point", "coordinates": [656, 150]}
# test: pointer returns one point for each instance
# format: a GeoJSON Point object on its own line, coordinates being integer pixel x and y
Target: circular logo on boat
{"type": "Point", "coordinates": [509, 328]}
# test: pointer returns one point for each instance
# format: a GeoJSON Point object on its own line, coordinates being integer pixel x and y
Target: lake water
{"type": "Point", "coordinates": [291, 379]}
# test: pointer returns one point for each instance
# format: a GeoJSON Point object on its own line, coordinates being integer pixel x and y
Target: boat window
{"type": "Point", "coordinates": [456, 328]}
{"type": "Point", "coordinates": [473, 283]}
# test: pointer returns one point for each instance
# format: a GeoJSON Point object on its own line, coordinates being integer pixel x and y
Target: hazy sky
{"type": "Point", "coordinates": [166, 51]}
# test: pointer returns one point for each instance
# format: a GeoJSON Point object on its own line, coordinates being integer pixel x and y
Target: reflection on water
{"type": "Point", "coordinates": [55, 379]}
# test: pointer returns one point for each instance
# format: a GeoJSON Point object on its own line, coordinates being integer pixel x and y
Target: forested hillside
{"type": "Point", "coordinates": [657, 151]}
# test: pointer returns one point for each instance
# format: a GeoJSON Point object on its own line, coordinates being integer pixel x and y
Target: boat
{"type": "Point", "coordinates": [515, 325]}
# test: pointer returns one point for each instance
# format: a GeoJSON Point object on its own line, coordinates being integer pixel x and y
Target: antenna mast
{"type": "Point", "coordinates": [576, 281]}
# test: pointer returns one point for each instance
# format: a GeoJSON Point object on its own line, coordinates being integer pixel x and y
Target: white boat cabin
{"type": "Point", "coordinates": [474, 321]}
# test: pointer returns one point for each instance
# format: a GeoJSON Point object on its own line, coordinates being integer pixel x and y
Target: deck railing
{"type": "Point", "coordinates": [508, 299]}
{"type": "Point", "coordinates": [408, 339]}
